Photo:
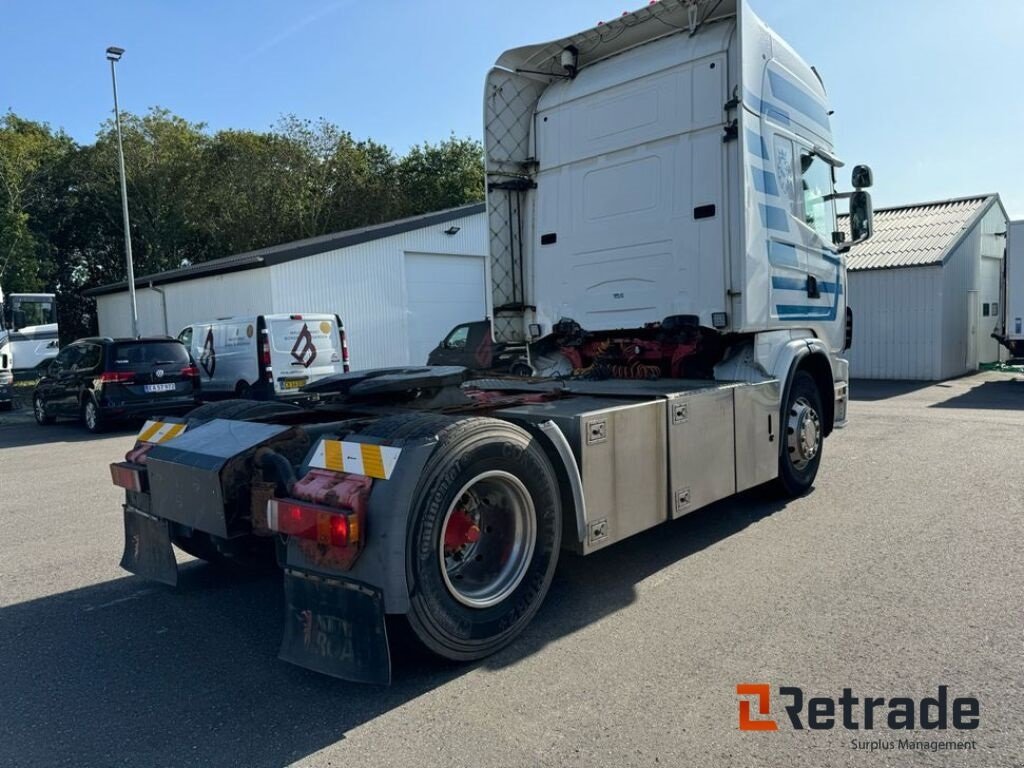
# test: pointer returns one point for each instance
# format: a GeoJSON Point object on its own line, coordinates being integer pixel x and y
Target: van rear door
{"type": "Point", "coordinates": [303, 349]}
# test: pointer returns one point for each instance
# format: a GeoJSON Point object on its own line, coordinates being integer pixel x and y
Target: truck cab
{"type": "Point", "coordinates": [28, 331]}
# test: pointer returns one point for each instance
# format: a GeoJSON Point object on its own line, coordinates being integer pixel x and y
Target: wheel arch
{"type": "Point", "coordinates": [818, 366]}
{"type": "Point", "coordinates": [570, 484]}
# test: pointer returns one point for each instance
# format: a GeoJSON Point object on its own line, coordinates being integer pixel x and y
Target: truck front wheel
{"type": "Point", "coordinates": [802, 436]}
{"type": "Point", "coordinates": [483, 540]}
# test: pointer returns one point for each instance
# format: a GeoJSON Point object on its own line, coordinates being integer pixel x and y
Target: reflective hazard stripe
{"type": "Point", "coordinates": [376, 461]}
{"type": "Point", "coordinates": [160, 431]}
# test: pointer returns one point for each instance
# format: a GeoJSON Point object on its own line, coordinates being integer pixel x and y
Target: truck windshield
{"type": "Point", "coordinates": [819, 208]}
{"type": "Point", "coordinates": [28, 312]}
{"type": "Point", "coordinates": [140, 355]}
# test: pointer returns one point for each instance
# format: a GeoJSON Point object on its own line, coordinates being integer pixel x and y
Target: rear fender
{"type": "Point", "coordinates": [559, 452]}
{"type": "Point", "coordinates": [382, 563]}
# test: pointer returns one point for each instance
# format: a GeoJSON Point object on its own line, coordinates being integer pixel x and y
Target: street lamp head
{"type": "Point", "coordinates": [114, 53]}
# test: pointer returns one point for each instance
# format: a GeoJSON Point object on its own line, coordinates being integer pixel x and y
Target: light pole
{"type": "Point", "coordinates": [114, 54]}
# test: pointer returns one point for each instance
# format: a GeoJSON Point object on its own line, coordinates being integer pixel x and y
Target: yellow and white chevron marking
{"type": "Point", "coordinates": [357, 458]}
{"type": "Point", "coordinates": [159, 431]}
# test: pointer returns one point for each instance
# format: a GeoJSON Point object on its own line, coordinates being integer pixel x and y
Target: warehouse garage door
{"type": "Point", "coordinates": [442, 291]}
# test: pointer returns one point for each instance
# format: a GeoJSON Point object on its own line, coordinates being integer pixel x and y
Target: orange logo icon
{"type": "Point", "coordinates": [763, 693]}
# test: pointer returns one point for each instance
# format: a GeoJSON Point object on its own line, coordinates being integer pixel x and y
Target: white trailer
{"type": "Point", "coordinates": [664, 252]}
{"type": "Point", "coordinates": [1012, 332]}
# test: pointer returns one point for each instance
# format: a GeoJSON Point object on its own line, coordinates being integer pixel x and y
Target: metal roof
{"type": "Point", "coordinates": [297, 249]}
{"type": "Point", "coordinates": [917, 235]}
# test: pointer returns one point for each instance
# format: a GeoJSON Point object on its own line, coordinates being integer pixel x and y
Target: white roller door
{"type": "Point", "coordinates": [442, 291]}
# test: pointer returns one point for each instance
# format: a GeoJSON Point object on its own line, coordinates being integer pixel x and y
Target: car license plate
{"type": "Point", "coordinates": [293, 383]}
{"type": "Point", "coordinates": [169, 387]}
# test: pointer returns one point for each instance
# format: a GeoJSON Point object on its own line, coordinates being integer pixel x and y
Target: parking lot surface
{"type": "Point", "coordinates": [901, 571]}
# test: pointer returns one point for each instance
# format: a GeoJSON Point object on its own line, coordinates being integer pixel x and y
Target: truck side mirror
{"type": "Point", "coordinates": [861, 217]}
{"type": "Point", "coordinates": [862, 177]}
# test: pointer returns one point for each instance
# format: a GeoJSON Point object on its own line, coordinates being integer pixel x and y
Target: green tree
{"type": "Point", "coordinates": [433, 177]}
{"type": "Point", "coordinates": [27, 150]}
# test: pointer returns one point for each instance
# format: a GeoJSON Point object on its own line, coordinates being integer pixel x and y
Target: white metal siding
{"type": "Point", "coordinates": [206, 298]}
{"type": "Point", "coordinates": [993, 249]}
{"type": "Point", "coordinates": [365, 285]}
{"type": "Point", "coordinates": [895, 323]}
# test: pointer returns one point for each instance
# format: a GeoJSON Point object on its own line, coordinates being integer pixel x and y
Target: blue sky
{"type": "Point", "coordinates": [926, 91]}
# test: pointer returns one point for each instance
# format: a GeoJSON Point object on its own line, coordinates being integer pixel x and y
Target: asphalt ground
{"type": "Point", "coordinates": [900, 572]}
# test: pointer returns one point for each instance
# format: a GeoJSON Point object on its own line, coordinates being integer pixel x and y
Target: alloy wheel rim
{"type": "Point", "coordinates": [487, 539]}
{"type": "Point", "coordinates": [804, 433]}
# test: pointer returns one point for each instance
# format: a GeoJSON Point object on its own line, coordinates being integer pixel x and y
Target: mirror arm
{"type": "Point", "coordinates": [848, 244]}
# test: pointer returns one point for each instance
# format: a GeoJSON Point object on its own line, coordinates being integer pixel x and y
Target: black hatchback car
{"type": "Point", "coordinates": [100, 380]}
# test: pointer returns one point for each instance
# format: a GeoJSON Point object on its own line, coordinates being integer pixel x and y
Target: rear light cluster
{"type": "Point", "coordinates": [331, 527]}
{"type": "Point", "coordinates": [344, 350]}
{"type": "Point", "coordinates": [266, 371]}
{"type": "Point", "coordinates": [126, 477]}
{"type": "Point", "coordinates": [117, 377]}
{"type": "Point", "coordinates": [190, 372]}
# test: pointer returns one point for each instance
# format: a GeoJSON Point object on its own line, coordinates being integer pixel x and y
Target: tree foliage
{"type": "Point", "coordinates": [195, 195]}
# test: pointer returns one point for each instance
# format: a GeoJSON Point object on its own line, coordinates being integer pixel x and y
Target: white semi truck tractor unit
{"type": "Point", "coordinates": [665, 255]}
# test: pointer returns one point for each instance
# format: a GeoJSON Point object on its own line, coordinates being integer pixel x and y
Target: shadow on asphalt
{"type": "Point", "coordinates": [132, 672]}
{"type": "Point", "coordinates": [29, 433]}
{"type": "Point", "coordinates": [870, 390]}
{"type": "Point", "coordinates": [1003, 395]}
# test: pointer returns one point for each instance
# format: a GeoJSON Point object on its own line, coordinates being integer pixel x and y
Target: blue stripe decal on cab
{"type": "Point", "coordinates": [775, 218]}
{"type": "Point", "coordinates": [798, 284]}
{"type": "Point", "coordinates": [782, 254]}
{"type": "Point", "coordinates": [795, 96]}
{"type": "Point", "coordinates": [764, 182]}
{"type": "Point", "coordinates": [806, 312]}
{"type": "Point", "coordinates": [756, 145]}
{"type": "Point", "coordinates": [767, 109]}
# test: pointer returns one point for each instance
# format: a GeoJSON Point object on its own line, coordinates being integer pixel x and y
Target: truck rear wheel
{"type": "Point", "coordinates": [803, 437]}
{"type": "Point", "coordinates": [483, 539]}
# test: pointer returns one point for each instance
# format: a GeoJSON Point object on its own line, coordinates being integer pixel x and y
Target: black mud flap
{"type": "Point", "coordinates": [335, 628]}
{"type": "Point", "coordinates": [147, 547]}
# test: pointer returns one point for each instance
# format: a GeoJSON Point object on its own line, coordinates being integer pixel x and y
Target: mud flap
{"type": "Point", "coordinates": [335, 628]}
{"type": "Point", "coordinates": [147, 547]}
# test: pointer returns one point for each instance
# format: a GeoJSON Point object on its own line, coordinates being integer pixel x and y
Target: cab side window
{"type": "Point", "coordinates": [819, 209]}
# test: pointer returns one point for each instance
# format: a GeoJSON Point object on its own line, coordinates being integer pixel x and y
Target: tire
{"type": "Point", "coordinates": [471, 594]}
{"type": "Point", "coordinates": [39, 411]}
{"type": "Point", "coordinates": [237, 410]}
{"type": "Point", "coordinates": [243, 391]}
{"type": "Point", "coordinates": [803, 438]}
{"type": "Point", "coordinates": [91, 416]}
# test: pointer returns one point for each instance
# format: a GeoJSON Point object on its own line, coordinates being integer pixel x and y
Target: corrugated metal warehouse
{"type": "Point", "coordinates": [398, 287]}
{"type": "Point", "coordinates": [925, 290]}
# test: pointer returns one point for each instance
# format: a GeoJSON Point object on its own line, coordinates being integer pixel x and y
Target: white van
{"type": "Point", "coordinates": [266, 356]}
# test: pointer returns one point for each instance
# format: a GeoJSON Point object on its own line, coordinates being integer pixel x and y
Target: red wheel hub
{"type": "Point", "coordinates": [460, 531]}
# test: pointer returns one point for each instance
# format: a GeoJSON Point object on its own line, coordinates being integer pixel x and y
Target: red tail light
{"type": "Point", "coordinates": [191, 372]}
{"type": "Point", "coordinates": [117, 377]}
{"type": "Point", "coordinates": [267, 372]}
{"type": "Point", "coordinates": [324, 525]}
{"type": "Point", "coordinates": [126, 477]}
{"type": "Point", "coordinates": [344, 350]}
